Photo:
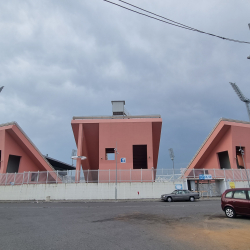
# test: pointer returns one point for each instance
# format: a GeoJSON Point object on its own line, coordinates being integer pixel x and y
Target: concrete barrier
{"type": "Point", "coordinates": [87, 191]}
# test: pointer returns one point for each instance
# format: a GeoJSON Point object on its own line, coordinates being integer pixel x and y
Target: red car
{"type": "Point", "coordinates": [236, 201]}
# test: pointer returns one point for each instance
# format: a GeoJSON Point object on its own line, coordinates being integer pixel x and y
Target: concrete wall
{"type": "Point", "coordinates": [84, 191]}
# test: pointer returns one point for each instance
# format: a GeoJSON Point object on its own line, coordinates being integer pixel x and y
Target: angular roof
{"type": "Point", "coordinates": [17, 133]}
{"type": "Point", "coordinates": [212, 135]}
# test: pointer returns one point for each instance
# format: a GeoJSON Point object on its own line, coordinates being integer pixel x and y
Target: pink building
{"type": "Point", "coordinates": [18, 153]}
{"type": "Point", "coordinates": [137, 139]}
{"type": "Point", "coordinates": [221, 149]}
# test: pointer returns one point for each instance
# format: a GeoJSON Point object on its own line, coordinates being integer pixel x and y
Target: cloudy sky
{"type": "Point", "coordinates": [60, 59]}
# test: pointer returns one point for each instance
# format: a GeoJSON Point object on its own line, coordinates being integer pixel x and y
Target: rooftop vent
{"type": "Point", "coordinates": [118, 108]}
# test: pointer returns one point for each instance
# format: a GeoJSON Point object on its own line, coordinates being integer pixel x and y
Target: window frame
{"type": "Point", "coordinates": [240, 198]}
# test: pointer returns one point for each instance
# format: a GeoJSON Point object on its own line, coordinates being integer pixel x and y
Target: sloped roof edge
{"type": "Point", "coordinates": [202, 145]}
{"type": "Point", "coordinates": [26, 136]}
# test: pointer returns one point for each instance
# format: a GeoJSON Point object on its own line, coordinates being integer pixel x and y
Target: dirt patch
{"type": "Point", "coordinates": [216, 232]}
{"type": "Point", "coordinates": [205, 232]}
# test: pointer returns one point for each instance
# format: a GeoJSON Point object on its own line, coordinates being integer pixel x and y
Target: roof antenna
{"type": "Point", "coordinates": [242, 97]}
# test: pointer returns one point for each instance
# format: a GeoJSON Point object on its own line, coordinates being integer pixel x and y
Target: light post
{"type": "Point", "coordinates": [242, 154]}
{"type": "Point", "coordinates": [249, 28]}
{"type": "Point", "coordinates": [116, 153]}
{"type": "Point", "coordinates": [74, 151]}
{"type": "Point", "coordinates": [75, 157]}
{"type": "Point", "coordinates": [171, 153]}
{"type": "Point", "coordinates": [1, 88]}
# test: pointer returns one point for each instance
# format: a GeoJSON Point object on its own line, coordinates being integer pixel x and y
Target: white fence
{"type": "Point", "coordinates": [227, 174]}
{"type": "Point", "coordinates": [89, 176]}
{"type": "Point", "coordinates": [121, 176]}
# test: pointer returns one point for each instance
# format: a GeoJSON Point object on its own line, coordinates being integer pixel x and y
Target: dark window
{"type": "Point", "coordinates": [140, 160]}
{"type": "Point", "coordinates": [224, 160]}
{"type": "Point", "coordinates": [13, 164]}
{"type": "Point", "coordinates": [240, 194]}
{"type": "Point", "coordinates": [110, 154]}
{"type": "Point", "coordinates": [229, 195]}
{"type": "Point", "coordinates": [33, 177]}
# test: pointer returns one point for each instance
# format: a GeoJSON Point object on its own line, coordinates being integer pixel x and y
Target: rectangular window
{"type": "Point", "coordinates": [140, 159]}
{"type": "Point", "coordinates": [240, 194]}
{"type": "Point", "coordinates": [13, 164]}
{"type": "Point", "coordinates": [224, 160]}
{"type": "Point", "coordinates": [110, 154]}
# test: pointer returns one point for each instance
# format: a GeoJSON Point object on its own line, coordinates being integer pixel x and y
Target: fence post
{"type": "Point", "coordinates": [47, 177]}
{"type": "Point", "coordinates": [152, 174]}
{"type": "Point", "coordinates": [98, 172]}
{"type": "Point", "coordinates": [88, 177]}
{"type": "Point", "coordinates": [224, 173]}
{"type": "Point", "coordinates": [28, 177]}
{"type": "Point", "coordinates": [23, 177]}
{"type": "Point", "coordinates": [56, 175]}
{"type": "Point", "coordinates": [233, 174]}
{"type": "Point", "coordinates": [109, 175]}
{"type": "Point", "coordinates": [241, 174]}
{"type": "Point", "coordinates": [6, 179]}
{"type": "Point", "coordinates": [37, 178]}
{"type": "Point", "coordinates": [214, 174]}
{"type": "Point", "coordinates": [15, 178]}
{"type": "Point", "coordinates": [130, 176]}
{"type": "Point", "coordinates": [141, 174]}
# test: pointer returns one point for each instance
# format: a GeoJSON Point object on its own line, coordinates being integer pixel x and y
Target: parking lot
{"type": "Point", "coordinates": [121, 225]}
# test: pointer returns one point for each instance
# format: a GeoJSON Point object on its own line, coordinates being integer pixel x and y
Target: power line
{"type": "Point", "coordinates": [171, 22]}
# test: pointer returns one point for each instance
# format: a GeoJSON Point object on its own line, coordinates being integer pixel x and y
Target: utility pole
{"type": "Point", "coordinates": [116, 153]}
{"type": "Point", "coordinates": [249, 28]}
{"type": "Point", "coordinates": [171, 153]}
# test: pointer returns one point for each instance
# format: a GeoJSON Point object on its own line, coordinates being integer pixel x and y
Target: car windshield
{"type": "Point", "coordinates": [174, 192]}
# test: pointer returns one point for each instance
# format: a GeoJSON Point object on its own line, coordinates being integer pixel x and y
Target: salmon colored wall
{"type": "Point", "coordinates": [13, 148]}
{"type": "Point", "coordinates": [224, 144]}
{"type": "Point", "coordinates": [14, 142]}
{"type": "Point", "coordinates": [126, 135]}
{"type": "Point", "coordinates": [226, 136]}
{"type": "Point", "coordinates": [241, 137]}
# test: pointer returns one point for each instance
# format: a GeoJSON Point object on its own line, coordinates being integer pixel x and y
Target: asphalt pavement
{"type": "Point", "coordinates": [119, 225]}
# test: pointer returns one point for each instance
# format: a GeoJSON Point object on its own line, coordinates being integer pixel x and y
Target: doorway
{"type": "Point", "coordinates": [140, 157]}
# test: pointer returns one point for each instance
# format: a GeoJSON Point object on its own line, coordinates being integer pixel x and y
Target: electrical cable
{"type": "Point", "coordinates": [171, 22]}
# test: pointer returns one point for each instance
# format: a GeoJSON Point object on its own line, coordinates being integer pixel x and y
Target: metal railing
{"type": "Point", "coordinates": [89, 176]}
{"type": "Point", "coordinates": [227, 174]}
{"type": "Point", "coordinates": [109, 176]}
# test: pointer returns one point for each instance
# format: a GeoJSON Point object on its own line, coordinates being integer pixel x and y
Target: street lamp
{"type": "Point", "coordinates": [75, 157]}
{"type": "Point", "coordinates": [242, 154]}
{"type": "Point", "coordinates": [171, 153]}
{"type": "Point", "coordinates": [116, 153]}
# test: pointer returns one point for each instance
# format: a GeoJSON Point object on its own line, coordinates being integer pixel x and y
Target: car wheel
{"type": "Point", "coordinates": [192, 198]}
{"type": "Point", "coordinates": [230, 213]}
{"type": "Point", "coordinates": [169, 199]}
